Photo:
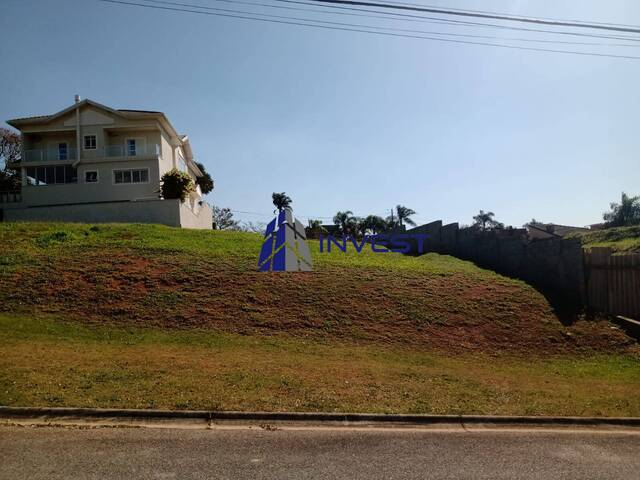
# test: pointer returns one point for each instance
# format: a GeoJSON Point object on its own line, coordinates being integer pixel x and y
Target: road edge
{"type": "Point", "coordinates": [308, 417]}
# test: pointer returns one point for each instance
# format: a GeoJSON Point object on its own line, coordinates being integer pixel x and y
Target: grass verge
{"type": "Point", "coordinates": [49, 362]}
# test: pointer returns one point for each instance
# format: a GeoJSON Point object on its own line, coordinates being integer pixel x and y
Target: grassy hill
{"type": "Point", "coordinates": [621, 239]}
{"type": "Point", "coordinates": [150, 316]}
{"type": "Point", "coordinates": [144, 275]}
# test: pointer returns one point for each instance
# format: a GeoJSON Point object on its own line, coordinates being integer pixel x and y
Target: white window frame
{"type": "Point", "coordinates": [84, 142]}
{"type": "Point", "coordinates": [97, 176]}
{"type": "Point", "coordinates": [113, 176]}
{"type": "Point", "coordinates": [49, 183]}
{"type": "Point", "coordinates": [58, 151]}
{"type": "Point", "coordinates": [184, 161]}
{"type": "Point", "coordinates": [140, 146]}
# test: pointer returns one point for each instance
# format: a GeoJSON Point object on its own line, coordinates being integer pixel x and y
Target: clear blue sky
{"type": "Point", "coordinates": [343, 120]}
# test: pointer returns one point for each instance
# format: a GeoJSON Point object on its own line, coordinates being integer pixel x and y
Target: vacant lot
{"type": "Point", "coordinates": [149, 316]}
{"type": "Point", "coordinates": [152, 276]}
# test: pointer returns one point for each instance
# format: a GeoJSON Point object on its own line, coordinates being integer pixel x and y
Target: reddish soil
{"type": "Point", "coordinates": [456, 312]}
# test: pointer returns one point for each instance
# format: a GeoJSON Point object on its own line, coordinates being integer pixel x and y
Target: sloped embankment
{"type": "Point", "coordinates": [134, 275]}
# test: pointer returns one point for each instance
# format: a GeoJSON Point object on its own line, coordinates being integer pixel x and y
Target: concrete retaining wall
{"type": "Point", "coordinates": [166, 212]}
{"type": "Point", "coordinates": [201, 217]}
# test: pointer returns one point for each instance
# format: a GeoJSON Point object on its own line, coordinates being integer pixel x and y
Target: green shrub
{"type": "Point", "coordinates": [177, 184]}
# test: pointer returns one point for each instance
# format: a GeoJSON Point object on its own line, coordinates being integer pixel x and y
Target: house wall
{"type": "Point", "coordinates": [166, 212]}
{"type": "Point", "coordinates": [145, 138]}
{"type": "Point", "coordinates": [49, 141]}
{"type": "Point", "coordinates": [104, 190]}
{"type": "Point", "coordinates": [167, 162]}
{"type": "Point", "coordinates": [108, 129]}
{"type": "Point", "coordinates": [201, 219]}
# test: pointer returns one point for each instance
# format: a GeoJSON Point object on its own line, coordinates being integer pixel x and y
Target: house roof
{"type": "Point", "coordinates": [137, 111]}
{"type": "Point", "coordinates": [126, 113]}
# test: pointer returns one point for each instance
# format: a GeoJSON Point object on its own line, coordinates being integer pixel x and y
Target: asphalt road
{"type": "Point", "coordinates": [114, 453]}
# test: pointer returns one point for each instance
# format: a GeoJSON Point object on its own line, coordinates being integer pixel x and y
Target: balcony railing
{"type": "Point", "coordinates": [10, 197]}
{"type": "Point", "coordinates": [131, 151]}
{"type": "Point", "coordinates": [53, 155]}
{"type": "Point", "coordinates": [49, 155]}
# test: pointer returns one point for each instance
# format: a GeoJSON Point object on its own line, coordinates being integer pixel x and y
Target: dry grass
{"type": "Point", "coordinates": [52, 363]}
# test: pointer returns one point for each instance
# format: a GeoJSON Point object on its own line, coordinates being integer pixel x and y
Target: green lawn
{"type": "Point", "coordinates": [48, 362]}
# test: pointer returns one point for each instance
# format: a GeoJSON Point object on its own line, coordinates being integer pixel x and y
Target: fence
{"type": "Point", "coordinates": [554, 264]}
{"type": "Point", "coordinates": [613, 282]}
{"type": "Point", "coordinates": [596, 279]}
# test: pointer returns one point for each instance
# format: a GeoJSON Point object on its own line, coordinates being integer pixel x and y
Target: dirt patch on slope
{"type": "Point", "coordinates": [451, 312]}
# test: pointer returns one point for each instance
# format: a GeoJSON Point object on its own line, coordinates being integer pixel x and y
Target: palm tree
{"type": "Point", "coordinates": [485, 221]}
{"type": "Point", "coordinates": [358, 226]}
{"type": "Point", "coordinates": [281, 201]}
{"type": "Point", "coordinates": [315, 228]}
{"type": "Point", "coordinates": [374, 224]}
{"type": "Point", "coordinates": [315, 224]}
{"type": "Point", "coordinates": [403, 215]}
{"type": "Point", "coordinates": [344, 220]}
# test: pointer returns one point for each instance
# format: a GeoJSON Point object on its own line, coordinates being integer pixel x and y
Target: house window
{"type": "Point", "coordinates": [131, 147]}
{"type": "Point", "coordinates": [52, 175]}
{"type": "Point", "coordinates": [182, 165]}
{"type": "Point", "coordinates": [91, 176]}
{"type": "Point", "coordinates": [63, 153]}
{"type": "Point", "coordinates": [90, 142]}
{"type": "Point", "coordinates": [138, 175]}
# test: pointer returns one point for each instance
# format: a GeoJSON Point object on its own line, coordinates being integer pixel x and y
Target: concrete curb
{"type": "Point", "coordinates": [310, 417]}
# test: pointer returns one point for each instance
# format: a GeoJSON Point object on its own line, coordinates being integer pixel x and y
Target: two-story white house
{"type": "Point", "coordinates": [92, 163]}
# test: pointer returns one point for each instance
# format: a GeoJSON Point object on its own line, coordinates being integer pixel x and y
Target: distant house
{"type": "Point", "coordinates": [92, 163]}
{"type": "Point", "coordinates": [551, 230]}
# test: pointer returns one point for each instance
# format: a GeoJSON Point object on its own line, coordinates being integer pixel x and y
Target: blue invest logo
{"type": "Point", "coordinates": [285, 246]}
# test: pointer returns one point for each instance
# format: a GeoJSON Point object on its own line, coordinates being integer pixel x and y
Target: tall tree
{"type": "Point", "coordinates": [625, 213]}
{"type": "Point", "coordinates": [205, 182]}
{"type": "Point", "coordinates": [403, 214]}
{"type": "Point", "coordinates": [10, 148]}
{"type": "Point", "coordinates": [344, 220]}
{"type": "Point", "coordinates": [375, 224]}
{"type": "Point", "coordinates": [223, 219]}
{"type": "Point", "coordinates": [485, 221]}
{"type": "Point", "coordinates": [358, 226]}
{"type": "Point", "coordinates": [315, 228]}
{"type": "Point", "coordinates": [254, 227]}
{"type": "Point", "coordinates": [533, 222]}
{"type": "Point", "coordinates": [281, 201]}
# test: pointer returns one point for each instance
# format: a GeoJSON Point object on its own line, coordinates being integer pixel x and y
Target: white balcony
{"type": "Point", "coordinates": [132, 151]}
{"type": "Point", "coordinates": [49, 155]}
